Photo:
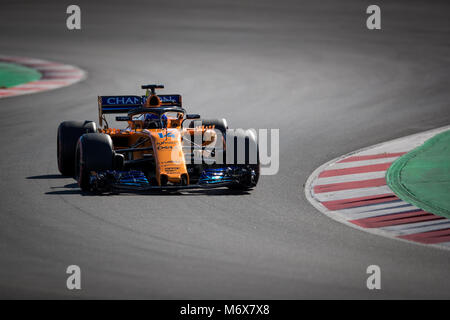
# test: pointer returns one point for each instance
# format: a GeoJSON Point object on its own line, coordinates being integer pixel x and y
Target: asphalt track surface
{"type": "Point", "coordinates": [310, 68]}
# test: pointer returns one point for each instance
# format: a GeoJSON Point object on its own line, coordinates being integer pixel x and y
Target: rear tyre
{"type": "Point", "coordinates": [68, 134]}
{"type": "Point", "coordinates": [222, 126]}
{"type": "Point", "coordinates": [94, 152]}
{"type": "Point", "coordinates": [245, 158]}
{"type": "Point", "coordinates": [219, 124]}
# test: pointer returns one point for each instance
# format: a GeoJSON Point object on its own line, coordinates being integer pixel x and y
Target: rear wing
{"type": "Point", "coordinates": [124, 104]}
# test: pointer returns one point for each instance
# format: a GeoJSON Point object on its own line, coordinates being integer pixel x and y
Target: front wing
{"type": "Point", "coordinates": [134, 180]}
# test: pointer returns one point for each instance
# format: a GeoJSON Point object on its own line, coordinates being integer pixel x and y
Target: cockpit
{"type": "Point", "coordinates": [158, 120]}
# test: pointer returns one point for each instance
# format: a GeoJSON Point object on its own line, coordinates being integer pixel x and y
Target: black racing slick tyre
{"type": "Point", "coordinates": [68, 134]}
{"type": "Point", "coordinates": [94, 152]}
{"type": "Point", "coordinates": [220, 125]}
{"type": "Point", "coordinates": [242, 151]}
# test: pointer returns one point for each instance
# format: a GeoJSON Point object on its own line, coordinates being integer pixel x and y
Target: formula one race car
{"type": "Point", "coordinates": [161, 148]}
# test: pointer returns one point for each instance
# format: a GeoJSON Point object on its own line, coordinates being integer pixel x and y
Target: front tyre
{"type": "Point", "coordinates": [94, 152]}
{"type": "Point", "coordinates": [68, 134]}
{"type": "Point", "coordinates": [242, 152]}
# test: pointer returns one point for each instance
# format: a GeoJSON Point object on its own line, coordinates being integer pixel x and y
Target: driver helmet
{"type": "Point", "coordinates": [152, 116]}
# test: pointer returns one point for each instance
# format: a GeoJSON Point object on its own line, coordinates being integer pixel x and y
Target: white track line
{"type": "Point", "coordinates": [417, 227]}
{"type": "Point", "coordinates": [353, 164]}
{"type": "Point", "coordinates": [353, 193]}
{"type": "Point", "coordinates": [361, 215]}
{"type": "Point", "coordinates": [351, 177]}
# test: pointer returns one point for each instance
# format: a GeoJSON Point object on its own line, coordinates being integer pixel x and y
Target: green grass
{"type": "Point", "coordinates": [422, 176]}
{"type": "Point", "coordinates": [13, 74]}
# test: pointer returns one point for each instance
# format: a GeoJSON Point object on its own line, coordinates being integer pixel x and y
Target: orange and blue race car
{"type": "Point", "coordinates": [161, 148]}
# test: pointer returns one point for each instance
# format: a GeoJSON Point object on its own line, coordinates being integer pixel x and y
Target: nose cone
{"type": "Point", "coordinates": [168, 151]}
